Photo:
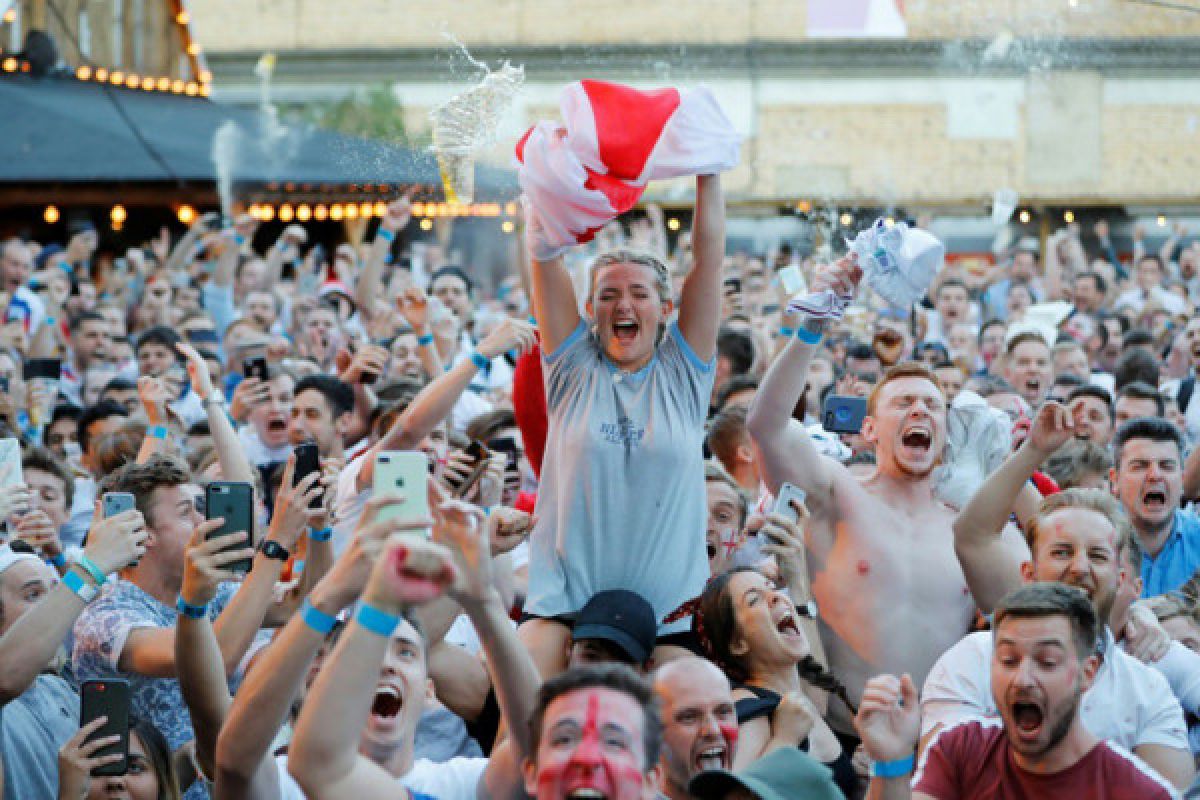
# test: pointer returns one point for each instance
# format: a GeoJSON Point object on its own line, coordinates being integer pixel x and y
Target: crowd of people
{"type": "Point", "coordinates": [642, 561]}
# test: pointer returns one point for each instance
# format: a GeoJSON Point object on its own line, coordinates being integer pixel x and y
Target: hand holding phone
{"type": "Point", "coordinates": [843, 413]}
{"type": "Point", "coordinates": [233, 502]}
{"type": "Point", "coordinates": [255, 367]}
{"type": "Point", "coordinates": [308, 461]}
{"type": "Point", "coordinates": [109, 699]}
{"type": "Point", "coordinates": [404, 473]}
{"type": "Point", "coordinates": [476, 456]}
{"type": "Point", "coordinates": [784, 505]}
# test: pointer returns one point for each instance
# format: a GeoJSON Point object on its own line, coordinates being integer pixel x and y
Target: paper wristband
{"type": "Point", "coordinates": [97, 574]}
{"type": "Point", "coordinates": [375, 620]}
{"type": "Point", "coordinates": [190, 611]}
{"type": "Point", "coordinates": [892, 769]}
{"type": "Point", "coordinates": [426, 340]}
{"type": "Point", "coordinates": [787, 332]}
{"type": "Point", "coordinates": [479, 359]}
{"type": "Point", "coordinates": [317, 619]}
{"type": "Point", "coordinates": [57, 561]}
{"type": "Point", "coordinates": [386, 235]}
{"type": "Point", "coordinates": [807, 336]}
{"type": "Point", "coordinates": [157, 432]}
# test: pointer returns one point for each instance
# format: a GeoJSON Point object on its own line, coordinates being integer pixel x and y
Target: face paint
{"type": "Point", "coordinates": [593, 757]}
{"type": "Point", "coordinates": [730, 734]}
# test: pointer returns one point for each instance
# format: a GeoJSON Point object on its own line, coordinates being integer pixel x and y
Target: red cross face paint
{"type": "Point", "coordinates": [591, 746]}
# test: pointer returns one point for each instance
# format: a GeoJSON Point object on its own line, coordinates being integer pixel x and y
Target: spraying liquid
{"type": "Point", "coordinates": [224, 157]}
{"type": "Point", "coordinates": [469, 121]}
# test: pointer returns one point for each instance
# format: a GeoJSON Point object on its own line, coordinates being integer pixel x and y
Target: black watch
{"type": "Point", "coordinates": [275, 550]}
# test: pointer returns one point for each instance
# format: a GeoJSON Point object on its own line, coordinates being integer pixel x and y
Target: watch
{"type": "Point", "coordinates": [216, 398]}
{"type": "Point", "coordinates": [272, 549]}
{"type": "Point", "coordinates": [808, 609]}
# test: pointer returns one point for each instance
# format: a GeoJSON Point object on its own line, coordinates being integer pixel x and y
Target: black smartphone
{"type": "Point", "coordinates": [479, 455]}
{"type": "Point", "coordinates": [733, 285]}
{"type": "Point", "coordinates": [255, 367]}
{"type": "Point", "coordinates": [308, 461]}
{"type": "Point", "coordinates": [203, 336]}
{"type": "Point", "coordinates": [44, 368]}
{"type": "Point", "coordinates": [843, 413]}
{"type": "Point", "coordinates": [107, 698]}
{"type": "Point", "coordinates": [232, 501]}
{"type": "Point", "coordinates": [117, 503]}
{"type": "Point", "coordinates": [4, 384]}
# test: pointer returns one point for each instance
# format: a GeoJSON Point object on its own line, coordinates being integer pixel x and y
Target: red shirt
{"type": "Point", "coordinates": [973, 760]}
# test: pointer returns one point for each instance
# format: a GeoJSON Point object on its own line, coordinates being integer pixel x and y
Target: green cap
{"type": "Point", "coordinates": [786, 774]}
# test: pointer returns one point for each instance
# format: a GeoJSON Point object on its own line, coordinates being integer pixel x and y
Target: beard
{"type": "Point", "coordinates": [1058, 724]}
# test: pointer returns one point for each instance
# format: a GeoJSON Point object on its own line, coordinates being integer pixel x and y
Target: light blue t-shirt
{"type": "Point", "coordinates": [621, 501]}
{"type": "Point", "coordinates": [1177, 561]}
{"type": "Point", "coordinates": [33, 728]}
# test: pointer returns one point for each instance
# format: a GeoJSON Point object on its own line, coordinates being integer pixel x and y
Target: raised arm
{"type": "Point", "coordinates": [230, 455]}
{"type": "Point", "coordinates": [152, 392]}
{"type": "Point", "coordinates": [436, 401]}
{"type": "Point", "coordinates": [785, 450]}
{"type": "Point", "coordinates": [244, 768]}
{"type": "Point", "coordinates": [700, 300]}
{"type": "Point", "coordinates": [990, 559]}
{"type": "Point", "coordinates": [555, 306]}
{"type": "Point", "coordinates": [30, 644]}
{"type": "Point", "coordinates": [368, 289]}
{"type": "Point", "coordinates": [324, 757]}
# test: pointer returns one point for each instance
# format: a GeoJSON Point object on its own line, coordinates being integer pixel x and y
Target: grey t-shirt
{"type": "Point", "coordinates": [32, 729]}
{"type": "Point", "coordinates": [621, 499]}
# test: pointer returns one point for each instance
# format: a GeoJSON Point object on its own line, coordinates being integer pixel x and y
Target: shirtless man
{"type": "Point", "coordinates": [891, 592]}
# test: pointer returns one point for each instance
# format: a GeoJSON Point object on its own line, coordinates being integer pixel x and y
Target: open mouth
{"type": "Point", "coordinates": [917, 438]}
{"type": "Point", "coordinates": [625, 331]}
{"type": "Point", "coordinates": [711, 758]}
{"type": "Point", "coordinates": [586, 793]}
{"type": "Point", "coordinates": [787, 625]}
{"type": "Point", "coordinates": [277, 425]}
{"type": "Point", "coordinates": [712, 551]}
{"type": "Point", "coordinates": [387, 703]}
{"type": "Point", "coordinates": [1033, 385]}
{"type": "Point", "coordinates": [1028, 719]}
{"type": "Point", "coordinates": [1154, 500]}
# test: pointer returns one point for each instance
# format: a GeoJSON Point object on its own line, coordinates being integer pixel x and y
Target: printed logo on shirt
{"type": "Point", "coordinates": [624, 432]}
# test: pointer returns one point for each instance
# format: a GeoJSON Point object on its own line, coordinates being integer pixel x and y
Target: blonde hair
{"type": "Point", "coordinates": [662, 275]}
{"type": "Point", "coordinates": [1095, 500]}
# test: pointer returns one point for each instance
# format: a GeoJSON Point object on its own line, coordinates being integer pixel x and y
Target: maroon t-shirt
{"type": "Point", "coordinates": [973, 760]}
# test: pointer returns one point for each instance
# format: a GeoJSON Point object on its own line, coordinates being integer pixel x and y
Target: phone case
{"type": "Point", "coordinates": [255, 368]}
{"type": "Point", "coordinates": [233, 502]}
{"type": "Point", "coordinates": [783, 501]}
{"type": "Point", "coordinates": [107, 698]}
{"type": "Point", "coordinates": [843, 414]}
{"type": "Point", "coordinates": [405, 473]}
{"type": "Point", "coordinates": [308, 461]}
{"type": "Point", "coordinates": [117, 503]}
{"type": "Point", "coordinates": [10, 463]}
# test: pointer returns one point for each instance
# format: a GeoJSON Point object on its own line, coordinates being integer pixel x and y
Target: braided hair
{"type": "Point", "coordinates": [714, 622]}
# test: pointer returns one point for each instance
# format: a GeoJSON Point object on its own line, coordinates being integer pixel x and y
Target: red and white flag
{"type": "Point", "coordinates": [580, 174]}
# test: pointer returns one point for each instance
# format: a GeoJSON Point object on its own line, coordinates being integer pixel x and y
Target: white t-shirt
{"type": "Point", "coordinates": [348, 503]}
{"type": "Point", "coordinates": [1129, 703]}
{"type": "Point", "coordinates": [456, 779]}
{"type": "Point", "coordinates": [258, 453]}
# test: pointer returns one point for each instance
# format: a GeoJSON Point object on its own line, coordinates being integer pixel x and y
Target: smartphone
{"type": "Point", "coordinates": [44, 368]}
{"type": "Point", "coordinates": [203, 336]}
{"type": "Point", "coordinates": [107, 698]}
{"type": "Point", "coordinates": [733, 285]}
{"type": "Point", "coordinates": [234, 502]}
{"type": "Point", "coordinates": [10, 455]}
{"type": "Point", "coordinates": [403, 472]}
{"type": "Point", "coordinates": [783, 501]}
{"type": "Point", "coordinates": [843, 414]}
{"type": "Point", "coordinates": [255, 367]}
{"type": "Point", "coordinates": [4, 384]}
{"type": "Point", "coordinates": [117, 503]}
{"type": "Point", "coordinates": [308, 461]}
{"type": "Point", "coordinates": [479, 455]}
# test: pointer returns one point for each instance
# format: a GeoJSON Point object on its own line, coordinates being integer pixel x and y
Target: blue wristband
{"type": "Point", "coordinates": [190, 611]}
{"type": "Point", "coordinates": [77, 585]}
{"type": "Point", "coordinates": [787, 332]}
{"type": "Point", "coordinates": [317, 619]}
{"type": "Point", "coordinates": [425, 340]}
{"type": "Point", "coordinates": [321, 534]}
{"type": "Point", "coordinates": [97, 574]}
{"type": "Point", "coordinates": [57, 561]}
{"type": "Point", "coordinates": [892, 769]}
{"type": "Point", "coordinates": [479, 360]}
{"type": "Point", "coordinates": [386, 235]}
{"type": "Point", "coordinates": [807, 336]}
{"type": "Point", "coordinates": [375, 620]}
{"type": "Point", "coordinates": [157, 432]}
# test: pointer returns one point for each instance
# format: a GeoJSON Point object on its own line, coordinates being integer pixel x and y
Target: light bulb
{"type": "Point", "coordinates": [50, 214]}
{"type": "Point", "coordinates": [186, 214]}
{"type": "Point", "coordinates": [118, 214]}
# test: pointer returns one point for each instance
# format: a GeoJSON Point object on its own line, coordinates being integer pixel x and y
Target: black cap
{"type": "Point", "coordinates": [621, 617]}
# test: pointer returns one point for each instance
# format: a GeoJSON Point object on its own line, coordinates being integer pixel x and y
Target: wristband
{"type": "Point", "coordinates": [317, 619]}
{"type": "Point", "coordinates": [807, 336]}
{"type": "Point", "coordinates": [239, 239]}
{"type": "Point", "coordinates": [425, 340]}
{"type": "Point", "coordinates": [386, 235]}
{"type": "Point", "coordinates": [97, 574]}
{"type": "Point", "coordinates": [479, 360]}
{"type": "Point", "coordinates": [320, 534]}
{"type": "Point", "coordinates": [50, 322]}
{"type": "Point", "coordinates": [787, 332]}
{"type": "Point", "coordinates": [892, 769]}
{"type": "Point", "coordinates": [376, 620]}
{"type": "Point", "coordinates": [57, 561]}
{"type": "Point", "coordinates": [76, 584]}
{"type": "Point", "coordinates": [157, 432]}
{"type": "Point", "coordinates": [190, 611]}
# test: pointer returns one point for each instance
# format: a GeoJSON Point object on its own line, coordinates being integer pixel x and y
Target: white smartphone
{"type": "Point", "coordinates": [10, 463]}
{"type": "Point", "coordinates": [783, 501]}
{"type": "Point", "coordinates": [406, 473]}
{"type": "Point", "coordinates": [791, 280]}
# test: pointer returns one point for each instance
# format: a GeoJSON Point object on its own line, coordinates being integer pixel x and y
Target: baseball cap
{"type": "Point", "coordinates": [785, 774]}
{"type": "Point", "coordinates": [622, 617]}
{"type": "Point", "coordinates": [8, 557]}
